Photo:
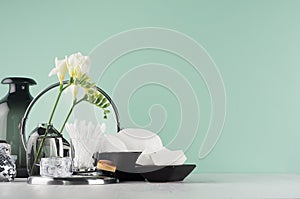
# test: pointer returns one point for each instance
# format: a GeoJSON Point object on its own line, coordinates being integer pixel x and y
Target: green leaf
{"type": "Point", "coordinates": [71, 80]}
{"type": "Point", "coordinates": [103, 102]}
{"type": "Point", "coordinates": [90, 98]}
{"type": "Point", "coordinates": [89, 85]}
{"type": "Point", "coordinates": [106, 105]}
{"type": "Point", "coordinates": [83, 83]}
{"type": "Point", "coordinates": [99, 96]}
{"type": "Point", "coordinates": [90, 91]}
{"type": "Point", "coordinates": [106, 111]}
{"type": "Point", "coordinates": [97, 101]}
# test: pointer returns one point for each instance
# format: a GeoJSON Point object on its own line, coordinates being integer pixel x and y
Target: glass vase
{"type": "Point", "coordinates": [53, 145]}
{"type": "Point", "coordinates": [12, 109]}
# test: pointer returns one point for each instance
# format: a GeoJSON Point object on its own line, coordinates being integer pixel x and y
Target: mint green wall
{"type": "Point", "coordinates": [255, 45]}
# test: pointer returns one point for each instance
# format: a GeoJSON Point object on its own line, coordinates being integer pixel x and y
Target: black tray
{"type": "Point", "coordinates": [127, 170]}
{"type": "Point", "coordinates": [125, 162]}
{"type": "Point", "coordinates": [170, 173]}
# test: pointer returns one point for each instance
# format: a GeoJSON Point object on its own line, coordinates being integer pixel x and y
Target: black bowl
{"type": "Point", "coordinates": [169, 173]}
{"type": "Point", "coordinates": [125, 162]}
{"type": "Point", "coordinates": [127, 170]}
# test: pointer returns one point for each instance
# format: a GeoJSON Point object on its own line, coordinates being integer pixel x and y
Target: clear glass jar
{"type": "Point", "coordinates": [53, 145]}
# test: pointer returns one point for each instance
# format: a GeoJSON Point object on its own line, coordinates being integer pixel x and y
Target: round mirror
{"type": "Point", "coordinates": [39, 111]}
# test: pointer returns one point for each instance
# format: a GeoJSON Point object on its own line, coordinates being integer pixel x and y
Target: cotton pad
{"type": "Point", "coordinates": [140, 140]}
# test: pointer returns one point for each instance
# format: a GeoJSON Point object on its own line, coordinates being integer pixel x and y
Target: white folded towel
{"type": "Point", "coordinates": [162, 157]}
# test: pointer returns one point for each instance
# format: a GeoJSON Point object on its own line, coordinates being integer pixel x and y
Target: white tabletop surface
{"type": "Point", "coordinates": [195, 186]}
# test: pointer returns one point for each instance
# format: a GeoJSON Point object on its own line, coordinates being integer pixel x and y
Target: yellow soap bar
{"type": "Point", "coordinates": [106, 165]}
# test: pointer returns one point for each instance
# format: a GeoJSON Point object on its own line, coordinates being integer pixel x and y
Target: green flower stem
{"type": "Point", "coordinates": [61, 89]}
{"type": "Point", "coordinates": [67, 118]}
{"type": "Point", "coordinates": [75, 102]}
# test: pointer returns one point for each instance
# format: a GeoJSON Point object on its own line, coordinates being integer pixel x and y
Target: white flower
{"type": "Point", "coordinates": [74, 90]}
{"type": "Point", "coordinates": [60, 69]}
{"type": "Point", "coordinates": [78, 64]}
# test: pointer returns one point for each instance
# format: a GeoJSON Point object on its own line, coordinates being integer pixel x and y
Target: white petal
{"type": "Point", "coordinates": [73, 89]}
{"type": "Point", "coordinates": [53, 72]}
{"type": "Point", "coordinates": [103, 127]}
{"type": "Point", "coordinates": [85, 67]}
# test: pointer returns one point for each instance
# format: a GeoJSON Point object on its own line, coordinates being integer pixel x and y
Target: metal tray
{"type": "Point", "coordinates": [73, 180]}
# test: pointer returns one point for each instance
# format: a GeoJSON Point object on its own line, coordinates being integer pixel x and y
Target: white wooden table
{"type": "Point", "coordinates": [195, 186]}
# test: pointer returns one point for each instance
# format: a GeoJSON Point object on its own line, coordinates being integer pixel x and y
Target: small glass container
{"type": "Point", "coordinates": [56, 167]}
{"type": "Point", "coordinates": [7, 163]}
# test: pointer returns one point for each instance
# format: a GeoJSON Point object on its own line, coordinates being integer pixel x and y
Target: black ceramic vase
{"type": "Point", "coordinates": [12, 109]}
